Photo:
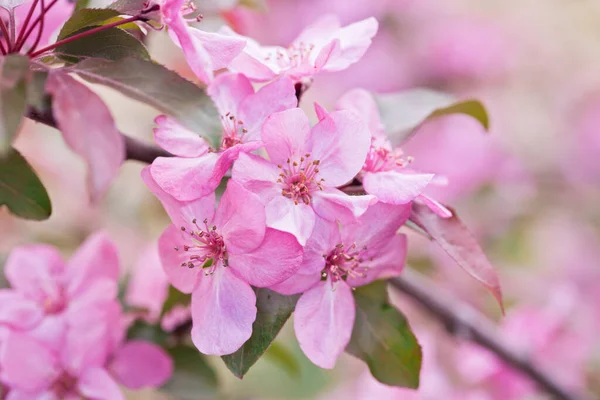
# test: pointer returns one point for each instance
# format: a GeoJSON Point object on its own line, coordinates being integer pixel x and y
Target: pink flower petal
{"type": "Point", "coordinates": [20, 395]}
{"type": "Point", "coordinates": [26, 364]}
{"type": "Point", "coordinates": [394, 187]}
{"type": "Point", "coordinates": [435, 206]}
{"type": "Point", "coordinates": [33, 270]}
{"type": "Point", "coordinates": [181, 213]}
{"type": "Point", "coordinates": [297, 219]}
{"type": "Point", "coordinates": [139, 364]}
{"type": "Point", "coordinates": [331, 51]}
{"type": "Point", "coordinates": [388, 261]}
{"type": "Point", "coordinates": [354, 39]}
{"type": "Point", "coordinates": [251, 61]}
{"type": "Point", "coordinates": [221, 49]}
{"type": "Point", "coordinates": [362, 103]}
{"type": "Point", "coordinates": [17, 311]}
{"type": "Point", "coordinates": [97, 258]}
{"type": "Point", "coordinates": [277, 258]}
{"type": "Point", "coordinates": [257, 175]}
{"type": "Point", "coordinates": [88, 129]}
{"type": "Point", "coordinates": [277, 96]}
{"type": "Point", "coordinates": [223, 310]}
{"type": "Point", "coordinates": [335, 205]}
{"type": "Point", "coordinates": [187, 178]}
{"type": "Point", "coordinates": [341, 142]}
{"type": "Point", "coordinates": [297, 283]}
{"type": "Point", "coordinates": [320, 29]}
{"type": "Point", "coordinates": [285, 134]}
{"type": "Point", "coordinates": [240, 219]}
{"type": "Point", "coordinates": [183, 278]}
{"type": "Point", "coordinates": [97, 384]}
{"type": "Point", "coordinates": [323, 322]}
{"type": "Point", "coordinates": [320, 111]}
{"type": "Point", "coordinates": [177, 139]}
{"type": "Point", "coordinates": [228, 91]}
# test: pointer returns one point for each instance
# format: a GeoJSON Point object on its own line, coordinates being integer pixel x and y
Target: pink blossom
{"type": "Point", "coordinates": [385, 173]}
{"type": "Point", "coordinates": [217, 255]}
{"type": "Point", "coordinates": [205, 52]}
{"type": "Point", "coordinates": [323, 46]}
{"type": "Point", "coordinates": [198, 170]}
{"type": "Point", "coordinates": [335, 260]}
{"type": "Point", "coordinates": [90, 363]}
{"type": "Point", "coordinates": [306, 165]}
{"type": "Point", "coordinates": [47, 293]}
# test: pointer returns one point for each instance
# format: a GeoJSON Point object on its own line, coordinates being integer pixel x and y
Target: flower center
{"type": "Point", "coordinates": [206, 250]}
{"type": "Point", "coordinates": [233, 131]}
{"type": "Point", "coordinates": [295, 55]}
{"type": "Point", "coordinates": [64, 385]}
{"type": "Point", "coordinates": [300, 179]}
{"type": "Point", "coordinates": [381, 158]}
{"type": "Point", "coordinates": [344, 262]}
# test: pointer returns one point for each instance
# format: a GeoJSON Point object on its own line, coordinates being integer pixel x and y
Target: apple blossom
{"type": "Point", "coordinates": [337, 258]}
{"type": "Point", "coordinates": [197, 170]}
{"type": "Point", "coordinates": [323, 46]}
{"type": "Point", "coordinates": [216, 255]}
{"type": "Point", "coordinates": [298, 182]}
{"type": "Point", "coordinates": [385, 173]}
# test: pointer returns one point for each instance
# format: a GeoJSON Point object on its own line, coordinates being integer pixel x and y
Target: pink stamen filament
{"type": "Point", "coordinates": [300, 179]}
{"type": "Point", "coordinates": [207, 250]}
{"type": "Point", "coordinates": [343, 263]}
{"type": "Point", "coordinates": [233, 131]}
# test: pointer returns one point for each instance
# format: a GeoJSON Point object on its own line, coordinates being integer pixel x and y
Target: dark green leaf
{"type": "Point", "coordinates": [159, 87]}
{"type": "Point", "coordinates": [85, 18]}
{"type": "Point", "coordinates": [14, 75]}
{"type": "Point", "coordinates": [383, 339]}
{"type": "Point", "coordinates": [148, 332]}
{"type": "Point", "coordinates": [273, 310]}
{"type": "Point", "coordinates": [175, 298]}
{"type": "Point", "coordinates": [193, 377]}
{"type": "Point", "coordinates": [284, 358]}
{"type": "Point", "coordinates": [21, 190]}
{"type": "Point", "coordinates": [111, 44]}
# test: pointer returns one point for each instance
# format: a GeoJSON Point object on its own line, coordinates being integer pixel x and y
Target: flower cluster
{"type": "Point", "coordinates": [62, 331]}
{"type": "Point", "coordinates": [288, 218]}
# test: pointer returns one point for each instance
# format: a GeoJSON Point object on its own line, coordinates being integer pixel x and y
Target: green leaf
{"type": "Point", "coordinates": [284, 358]}
{"type": "Point", "coordinates": [81, 4]}
{"type": "Point", "coordinates": [159, 87]}
{"type": "Point", "coordinates": [85, 18]}
{"type": "Point", "coordinates": [383, 339]}
{"type": "Point", "coordinates": [193, 378]}
{"type": "Point", "coordinates": [14, 75]}
{"type": "Point", "coordinates": [273, 310]}
{"type": "Point", "coordinates": [111, 44]}
{"type": "Point", "coordinates": [149, 332]}
{"type": "Point", "coordinates": [21, 190]}
{"type": "Point", "coordinates": [404, 112]}
{"type": "Point", "coordinates": [175, 298]}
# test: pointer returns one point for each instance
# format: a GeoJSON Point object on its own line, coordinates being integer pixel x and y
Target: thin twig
{"type": "Point", "coordinates": [463, 321]}
{"type": "Point", "coordinates": [6, 35]}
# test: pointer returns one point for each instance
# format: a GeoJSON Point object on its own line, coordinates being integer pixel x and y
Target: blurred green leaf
{"type": "Point", "coordinates": [81, 4]}
{"type": "Point", "coordinates": [273, 310]}
{"type": "Point", "coordinates": [14, 76]}
{"type": "Point", "coordinates": [175, 298]}
{"type": "Point", "coordinates": [21, 190]}
{"type": "Point", "coordinates": [148, 332]}
{"type": "Point", "coordinates": [159, 87]}
{"type": "Point", "coordinates": [284, 358]}
{"type": "Point", "coordinates": [472, 108]}
{"type": "Point", "coordinates": [383, 339]}
{"type": "Point", "coordinates": [111, 44]}
{"type": "Point", "coordinates": [193, 378]}
{"type": "Point", "coordinates": [85, 18]}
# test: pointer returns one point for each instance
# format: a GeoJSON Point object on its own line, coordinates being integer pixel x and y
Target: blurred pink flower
{"type": "Point", "coordinates": [306, 165]}
{"type": "Point", "coordinates": [217, 255]}
{"type": "Point", "coordinates": [337, 258]}
{"type": "Point", "coordinates": [205, 52]}
{"type": "Point", "coordinates": [46, 294]}
{"type": "Point", "coordinates": [323, 46]}
{"type": "Point", "coordinates": [197, 171]}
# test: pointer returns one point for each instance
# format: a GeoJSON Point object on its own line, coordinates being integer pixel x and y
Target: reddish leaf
{"type": "Point", "coordinates": [456, 240]}
{"type": "Point", "coordinates": [88, 128]}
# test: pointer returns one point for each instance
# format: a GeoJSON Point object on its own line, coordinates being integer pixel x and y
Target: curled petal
{"type": "Point", "coordinates": [276, 259]}
{"type": "Point", "coordinates": [394, 187]}
{"type": "Point", "coordinates": [177, 139]}
{"type": "Point", "coordinates": [335, 205]}
{"type": "Point", "coordinates": [354, 39]}
{"type": "Point", "coordinates": [323, 321]}
{"type": "Point", "coordinates": [223, 310]}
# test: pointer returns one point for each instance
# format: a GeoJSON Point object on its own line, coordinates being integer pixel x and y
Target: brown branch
{"type": "Point", "coordinates": [134, 148]}
{"type": "Point", "coordinates": [464, 322]}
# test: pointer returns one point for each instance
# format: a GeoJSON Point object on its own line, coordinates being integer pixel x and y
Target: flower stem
{"type": "Point", "coordinates": [6, 35]}
{"type": "Point", "coordinates": [92, 31]}
{"type": "Point", "coordinates": [26, 22]}
{"type": "Point", "coordinates": [2, 48]}
{"type": "Point", "coordinates": [11, 22]}
{"type": "Point", "coordinates": [40, 30]}
{"type": "Point", "coordinates": [20, 44]}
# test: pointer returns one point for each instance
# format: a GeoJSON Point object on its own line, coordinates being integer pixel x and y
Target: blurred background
{"type": "Point", "coordinates": [529, 189]}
